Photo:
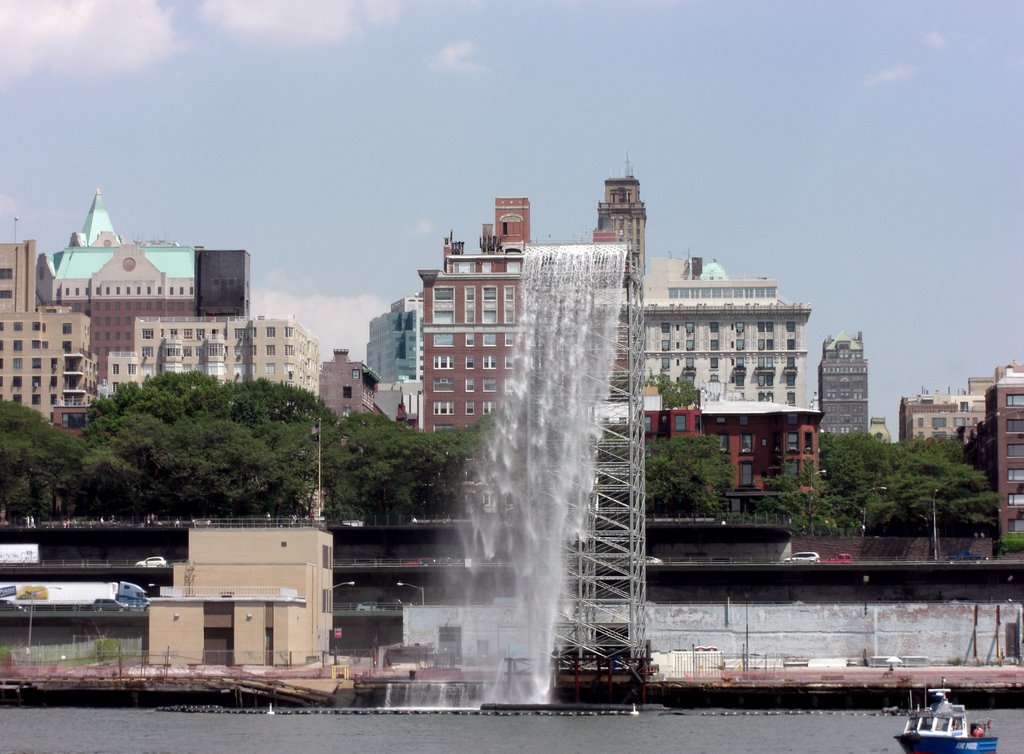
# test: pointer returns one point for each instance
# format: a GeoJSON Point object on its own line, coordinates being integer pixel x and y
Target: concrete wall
{"type": "Point", "coordinates": [945, 633]}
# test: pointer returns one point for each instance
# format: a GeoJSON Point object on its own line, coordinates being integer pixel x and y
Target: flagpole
{"type": "Point", "coordinates": [319, 474]}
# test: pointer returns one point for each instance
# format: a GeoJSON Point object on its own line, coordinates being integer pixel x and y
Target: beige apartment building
{"type": "Point", "coordinates": [941, 415]}
{"type": "Point", "coordinates": [231, 349]}
{"type": "Point", "coordinates": [247, 597]}
{"type": "Point", "coordinates": [17, 281]}
{"type": "Point", "coordinates": [734, 338]}
{"type": "Point", "coordinates": [45, 362]}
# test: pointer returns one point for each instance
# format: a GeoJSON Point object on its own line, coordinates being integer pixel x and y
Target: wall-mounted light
{"type": "Point", "coordinates": [177, 615]}
{"type": "Point", "coordinates": [248, 616]}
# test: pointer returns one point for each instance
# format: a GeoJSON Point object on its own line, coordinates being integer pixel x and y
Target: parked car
{"type": "Point", "coordinates": [153, 562]}
{"type": "Point", "coordinates": [965, 555]}
{"type": "Point", "coordinates": [839, 557]}
{"type": "Point", "coordinates": [651, 560]}
{"type": "Point", "coordinates": [804, 557]}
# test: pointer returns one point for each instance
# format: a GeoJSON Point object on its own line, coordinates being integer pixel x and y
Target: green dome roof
{"type": "Point", "coordinates": [713, 271]}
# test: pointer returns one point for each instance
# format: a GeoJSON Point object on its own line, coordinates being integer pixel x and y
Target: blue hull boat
{"type": "Point", "coordinates": [943, 728]}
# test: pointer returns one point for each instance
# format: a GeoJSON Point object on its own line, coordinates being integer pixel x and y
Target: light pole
{"type": "Point", "coordinates": [864, 519]}
{"type": "Point", "coordinates": [423, 599]}
{"type": "Point", "coordinates": [935, 529]}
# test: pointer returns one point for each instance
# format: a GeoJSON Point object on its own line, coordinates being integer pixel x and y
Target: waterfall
{"type": "Point", "coordinates": [540, 462]}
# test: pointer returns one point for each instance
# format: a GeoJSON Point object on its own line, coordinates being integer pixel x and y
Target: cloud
{"type": "Point", "coordinates": [422, 228]}
{"type": "Point", "coordinates": [894, 75]}
{"type": "Point", "coordinates": [336, 321]}
{"type": "Point", "coordinates": [934, 40]}
{"type": "Point", "coordinates": [83, 37]}
{"type": "Point", "coordinates": [297, 23]}
{"type": "Point", "coordinates": [457, 57]}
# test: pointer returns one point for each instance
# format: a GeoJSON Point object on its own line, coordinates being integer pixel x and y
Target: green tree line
{"type": "Point", "coordinates": [187, 446]}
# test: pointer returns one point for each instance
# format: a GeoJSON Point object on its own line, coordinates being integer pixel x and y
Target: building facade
{"type": "Point", "coordinates": [943, 415]}
{"type": "Point", "coordinates": [231, 349]}
{"type": "Point", "coordinates": [115, 283]}
{"type": "Point", "coordinates": [843, 384]}
{"type": "Point", "coordinates": [395, 348]}
{"type": "Point", "coordinates": [764, 440]}
{"type": "Point", "coordinates": [470, 315]}
{"type": "Point", "coordinates": [347, 386]}
{"type": "Point", "coordinates": [622, 217]}
{"type": "Point", "coordinates": [222, 283]}
{"type": "Point", "coordinates": [45, 362]}
{"type": "Point", "coordinates": [732, 338]}
{"type": "Point", "coordinates": [17, 277]}
{"type": "Point", "coordinates": [996, 444]}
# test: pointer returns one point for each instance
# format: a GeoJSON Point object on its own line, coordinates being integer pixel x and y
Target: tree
{"type": "Point", "coordinates": [687, 476]}
{"type": "Point", "coordinates": [674, 393]}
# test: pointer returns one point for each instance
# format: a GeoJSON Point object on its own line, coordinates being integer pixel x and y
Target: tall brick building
{"type": "Point", "coordinates": [470, 314]}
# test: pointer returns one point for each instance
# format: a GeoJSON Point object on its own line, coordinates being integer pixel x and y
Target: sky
{"type": "Point", "coordinates": [867, 154]}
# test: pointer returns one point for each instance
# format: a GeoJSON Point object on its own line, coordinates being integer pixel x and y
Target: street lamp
{"type": "Point", "coordinates": [343, 583]}
{"type": "Point", "coordinates": [423, 599]}
{"type": "Point", "coordinates": [935, 529]}
{"type": "Point", "coordinates": [864, 519]}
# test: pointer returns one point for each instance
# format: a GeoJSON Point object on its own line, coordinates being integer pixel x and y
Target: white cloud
{"type": "Point", "coordinates": [336, 321]}
{"type": "Point", "coordinates": [934, 40]}
{"type": "Point", "coordinates": [894, 75]}
{"type": "Point", "coordinates": [457, 57]}
{"type": "Point", "coordinates": [294, 23]}
{"type": "Point", "coordinates": [83, 37]}
{"type": "Point", "coordinates": [422, 228]}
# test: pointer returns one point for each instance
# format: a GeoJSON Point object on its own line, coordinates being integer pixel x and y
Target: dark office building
{"type": "Point", "coordinates": [222, 283]}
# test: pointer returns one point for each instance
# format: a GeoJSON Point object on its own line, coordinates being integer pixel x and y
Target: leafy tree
{"type": "Point", "coordinates": [39, 464]}
{"type": "Point", "coordinates": [687, 476]}
{"type": "Point", "coordinates": [674, 393]}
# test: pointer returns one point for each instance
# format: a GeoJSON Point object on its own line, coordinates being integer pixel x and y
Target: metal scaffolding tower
{"type": "Point", "coordinates": [603, 628]}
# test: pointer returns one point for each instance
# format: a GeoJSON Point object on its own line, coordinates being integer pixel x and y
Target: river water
{"type": "Point", "coordinates": [91, 731]}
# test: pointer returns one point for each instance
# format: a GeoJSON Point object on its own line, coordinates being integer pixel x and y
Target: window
{"type": "Point", "coordinates": [147, 352]}
{"type": "Point", "coordinates": [714, 362]}
{"type": "Point", "coordinates": [1015, 475]}
{"type": "Point", "coordinates": [444, 340]}
{"type": "Point", "coordinates": [488, 407]}
{"type": "Point", "coordinates": [470, 408]}
{"type": "Point", "coordinates": [679, 423]}
{"type": "Point", "coordinates": [470, 362]}
{"type": "Point", "coordinates": [723, 443]}
{"type": "Point", "coordinates": [346, 391]}
{"type": "Point", "coordinates": [271, 332]}
{"type": "Point", "coordinates": [271, 350]}
{"type": "Point", "coordinates": [690, 344]}
{"type": "Point", "coordinates": [239, 333]}
{"type": "Point", "coordinates": [714, 345]}
{"type": "Point", "coordinates": [470, 340]}
{"type": "Point", "coordinates": [490, 339]}
{"type": "Point", "coordinates": [938, 422]}
{"type": "Point", "coordinates": [356, 374]}
{"type": "Point", "coordinates": [115, 369]}
{"type": "Point", "coordinates": [666, 327]}
{"type": "Point", "coordinates": [444, 408]}
{"type": "Point", "coordinates": [444, 362]}
{"type": "Point", "coordinates": [490, 362]}
{"type": "Point", "coordinates": [1015, 400]}
{"type": "Point", "coordinates": [444, 384]}
{"type": "Point", "coordinates": [470, 384]}
{"type": "Point", "coordinates": [271, 369]}
{"type": "Point", "coordinates": [791, 327]}
{"type": "Point", "coordinates": [37, 363]}
{"type": "Point", "coordinates": [746, 443]}
{"type": "Point", "coordinates": [746, 474]}
{"type": "Point", "coordinates": [444, 306]}
{"type": "Point", "coordinates": [490, 384]}
{"type": "Point", "coordinates": [741, 345]}
{"type": "Point", "coordinates": [1015, 499]}
{"type": "Point", "coordinates": [469, 310]}
{"type": "Point", "coordinates": [510, 304]}
{"type": "Point", "coordinates": [714, 327]}
{"type": "Point", "coordinates": [1015, 451]}
{"type": "Point", "coordinates": [792, 442]}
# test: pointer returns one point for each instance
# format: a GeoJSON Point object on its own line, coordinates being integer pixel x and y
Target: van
{"type": "Point", "coordinates": [804, 557]}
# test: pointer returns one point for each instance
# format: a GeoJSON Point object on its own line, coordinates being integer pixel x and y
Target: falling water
{"type": "Point", "coordinates": [541, 453]}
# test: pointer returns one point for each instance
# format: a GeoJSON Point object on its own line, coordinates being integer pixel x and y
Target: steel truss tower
{"type": "Point", "coordinates": [603, 628]}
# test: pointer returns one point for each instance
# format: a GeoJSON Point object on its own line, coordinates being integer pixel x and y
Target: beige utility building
{"type": "Point", "coordinates": [247, 597]}
{"type": "Point", "coordinates": [936, 416]}
{"type": "Point", "coordinates": [278, 349]}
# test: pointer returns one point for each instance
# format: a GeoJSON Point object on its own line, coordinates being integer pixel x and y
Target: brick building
{"type": "Point", "coordinates": [347, 386]}
{"type": "Point", "coordinates": [996, 444]}
{"type": "Point", "coordinates": [470, 314]}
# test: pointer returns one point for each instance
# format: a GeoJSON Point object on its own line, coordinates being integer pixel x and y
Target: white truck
{"type": "Point", "coordinates": [99, 594]}
{"type": "Point", "coordinates": [14, 554]}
